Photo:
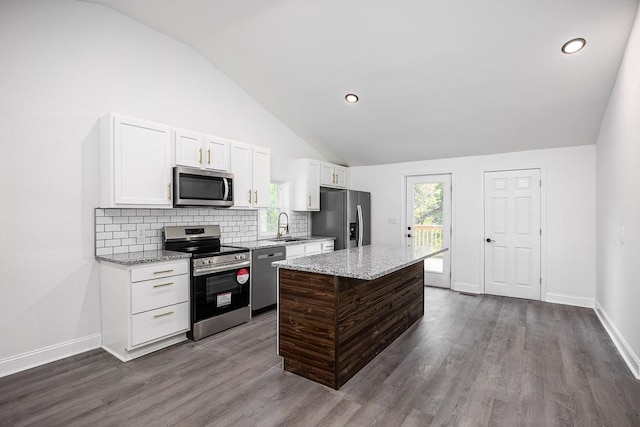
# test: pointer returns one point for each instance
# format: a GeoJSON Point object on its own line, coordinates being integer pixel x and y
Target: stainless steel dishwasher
{"type": "Point", "coordinates": [264, 278]}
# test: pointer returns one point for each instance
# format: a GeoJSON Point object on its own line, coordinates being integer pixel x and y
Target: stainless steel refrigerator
{"type": "Point", "coordinates": [345, 215]}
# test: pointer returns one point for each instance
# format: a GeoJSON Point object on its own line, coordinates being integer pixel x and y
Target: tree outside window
{"type": "Point", "coordinates": [268, 218]}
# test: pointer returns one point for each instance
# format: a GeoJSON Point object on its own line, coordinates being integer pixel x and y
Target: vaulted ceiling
{"type": "Point", "coordinates": [435, 78]}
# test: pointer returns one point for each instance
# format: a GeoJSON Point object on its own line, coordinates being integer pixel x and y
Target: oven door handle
{"type": "Point", "coordinates": [202, 271]}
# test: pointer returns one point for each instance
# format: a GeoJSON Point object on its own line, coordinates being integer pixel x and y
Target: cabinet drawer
{"type": "Point", "coordinates": [160, 323]}
{"type": "Point", "coordinates": [295, 251]}
{"type": "Point", "coordinates": [327, 246]}
{"type": "Point", "coordinates": [158, 293]}
{"type": "Point", "coordinates": [313, 248]}
{"type": "Point", "coordinates": [159, 270]}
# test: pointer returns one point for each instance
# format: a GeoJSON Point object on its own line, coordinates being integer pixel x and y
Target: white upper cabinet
{"type": "Point", "coordinates": [306, 185]}
{"type": "Point", "coordinates": [135, 163]}
{"type": "Point", "coordinates": [261, 177]}
{"type": "Point", "coordinates": [217, 153]}
{"type": "Point", "coordinates": [251, 168]}
{"type": "Point", "coordinates": [201, 151]}
{"type": "Point", "coordinates": [188, 148]}
{"type": "Point", "coordinates": [333, 175]}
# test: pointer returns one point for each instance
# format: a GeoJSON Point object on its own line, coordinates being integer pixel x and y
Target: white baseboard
{"type": "Point", "coordinates": [471, 288]}
{"type": "Point", "coordinates": [632, 360]}
{"type": "Point", "coordinates": [34, 358]}
{"type": "Point", "coordinates": [569, 300]}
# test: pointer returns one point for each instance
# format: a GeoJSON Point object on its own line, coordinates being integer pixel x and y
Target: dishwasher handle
{"type": "Point", "coordinates": [271, 255]}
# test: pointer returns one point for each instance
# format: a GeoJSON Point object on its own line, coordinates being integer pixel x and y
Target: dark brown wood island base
{"type": "Point", "coordinates": [331, 326]}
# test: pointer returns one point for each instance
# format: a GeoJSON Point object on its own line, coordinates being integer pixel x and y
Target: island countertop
{"type": "Point", "coordinates": [366, 262]}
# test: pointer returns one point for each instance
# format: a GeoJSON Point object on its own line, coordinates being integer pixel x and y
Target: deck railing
{"type": "Point", "coordinates": [428, 235]}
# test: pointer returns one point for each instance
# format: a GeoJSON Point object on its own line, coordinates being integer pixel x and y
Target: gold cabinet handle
{"type": "Point", "coordinates": [161, 285]}
{"type": "Point", "coordinates": [169, 191]}
{"type": "Point", "coordinates": [249, 196]}
{"type": "Point", "coordinates": [209, 156]}
{"type": "Point", "coordinates": [335, 180]}
{"type": "Point", "coordinates": [256, 196]}
{"type": "Point", "coordinates": [163, 271]}
{"type": "Point", "coordinates": [200, 155]}
{"type": "Point", "coordinates": [309, 201]}
{"type": "Point", "coordinates": [168, 313]}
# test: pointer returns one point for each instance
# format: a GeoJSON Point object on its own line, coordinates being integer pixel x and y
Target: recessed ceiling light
{"type": "Point", "coordinates": [573, 45]}
{"type": "Point", "coordinates": [352, 98]}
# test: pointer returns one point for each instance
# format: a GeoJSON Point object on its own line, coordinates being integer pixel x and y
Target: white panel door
{"type": "Point", "coordinates": [512, 233]}
{"type": "Point", "coordinates": [429, 223]}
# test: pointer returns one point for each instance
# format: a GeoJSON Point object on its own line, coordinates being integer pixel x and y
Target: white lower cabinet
{"type": "Point", "coordinates": [327, 246]}
{"type": "Point", "coordinates": [144, 307]}
{"type": "Point", "coordinates": [306, 249]}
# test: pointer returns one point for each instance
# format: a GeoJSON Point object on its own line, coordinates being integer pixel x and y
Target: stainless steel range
{"type": "Point", "coordinates": [219, 278]}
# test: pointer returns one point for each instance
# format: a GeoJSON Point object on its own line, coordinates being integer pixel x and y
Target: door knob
{"type": "Point", "coordinates": [408, 235]}
{"type": "Point", "coordinates": [408, 228]}
{"type": "Point", "coordinates": [489, 240]}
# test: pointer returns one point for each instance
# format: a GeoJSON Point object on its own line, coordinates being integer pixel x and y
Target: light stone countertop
{"type": "Point", "coordinates": [134, 258]}
{"type": "Point", "coordinates": [365, 262]}
{"type": "Point", "coordinates": [273, 243]}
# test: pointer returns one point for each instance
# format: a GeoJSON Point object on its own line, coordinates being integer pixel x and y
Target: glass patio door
{"type": "Point", "coordinates": [429, 223]}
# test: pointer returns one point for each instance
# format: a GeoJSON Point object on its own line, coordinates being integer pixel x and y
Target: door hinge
{"type": "Point", "coordinates": [541, 231]}
{"type": "Point", "coordinates": [540, 183]}
{"type": "Point", "coordinates": [541, 281]}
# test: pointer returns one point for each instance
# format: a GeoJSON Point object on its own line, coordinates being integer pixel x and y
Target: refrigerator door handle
{"type": "Point", "coordinates": [360, 225]}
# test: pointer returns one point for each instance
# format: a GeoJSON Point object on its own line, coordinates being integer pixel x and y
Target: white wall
{"type": "Point", "coordinates": [568, 214]}
{"type": "Point", "coordinates": [64, 64]}
{"type": "Point", "coordinates": [618, 206]}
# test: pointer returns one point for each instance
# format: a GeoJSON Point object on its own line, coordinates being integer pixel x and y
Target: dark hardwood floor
{"type": "Point", "coordinates": [470, 361]}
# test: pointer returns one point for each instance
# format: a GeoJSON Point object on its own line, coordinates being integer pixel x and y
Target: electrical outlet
{"type": "Point", "coordinates": [393, 220]}
{"type": "Point", "coordinates": [140, 232]}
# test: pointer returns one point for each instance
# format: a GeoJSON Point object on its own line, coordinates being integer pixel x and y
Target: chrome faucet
{"type": "Point", "coordinates": [280, 227]}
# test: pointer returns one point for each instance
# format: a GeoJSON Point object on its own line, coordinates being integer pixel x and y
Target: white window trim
{"type": "Point", "coordinates": [284, 207]}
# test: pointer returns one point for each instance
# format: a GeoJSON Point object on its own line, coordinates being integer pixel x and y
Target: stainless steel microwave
{"type": "Point", "coordinates": [197, 187]}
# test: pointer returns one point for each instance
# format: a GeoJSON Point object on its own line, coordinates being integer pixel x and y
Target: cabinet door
{"type": "Point", "coordinates": [241, 169]}
{"type": "Point", "coordinates": [261, 177]}
{"type": "Point", "coordinates": [340, 175]}
{"type": "Point", "coordinates": [217, 153]}
{"type": "Point", "coordinates": [189, 151]}
{"type": "Point", "coordinates": [313, 186]}
{"type": "Point", "coordinates": [326, 175]}
{"type": "Point", "coordinates": [142, 163]}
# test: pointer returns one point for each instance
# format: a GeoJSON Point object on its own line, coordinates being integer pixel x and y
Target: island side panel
{"type": "Point", "coordinates": [373, 313]}
{"type": "Point", "coordinates": [307, 307]}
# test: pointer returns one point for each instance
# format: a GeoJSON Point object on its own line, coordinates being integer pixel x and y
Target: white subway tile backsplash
{"type": "Point", "coordinates": [104, 236]}
{"type": "Point", "coordinates": [117, 230]}
{"type": "Point", "coordinates": [104, 251]}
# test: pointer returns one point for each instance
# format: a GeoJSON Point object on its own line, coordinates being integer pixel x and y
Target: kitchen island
{"type": "Point", "coordinates": [337, 311]}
